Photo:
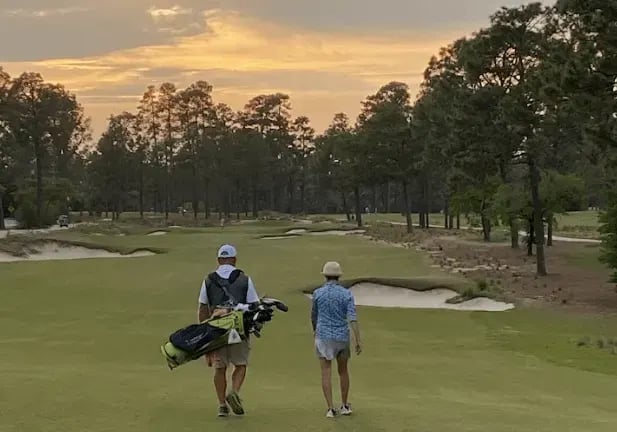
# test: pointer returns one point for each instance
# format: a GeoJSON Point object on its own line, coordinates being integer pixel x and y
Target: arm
{"type": "Point", "coordinates": [203, 312]}
{"type": "Point", "coordinates": [314, 314]}
{"type": "Point", "coordinates": [353, 318]}
{"type": "Point", "coordinates": [252, 297]}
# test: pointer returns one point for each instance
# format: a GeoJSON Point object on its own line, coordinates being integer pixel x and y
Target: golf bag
{"type": "Point", "coordinates": [196, 340]}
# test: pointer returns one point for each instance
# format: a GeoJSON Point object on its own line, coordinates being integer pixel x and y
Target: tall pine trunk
{"type": "Point", "coordinates": [345, 206]}
{"type": "Point", "coordinates": [486, 223]}
{"type": "Point", "coordinates": [407, 208]}
{"type": "Point", "coordinates": [427, 204]}
{"type": "Point", "coordinates": [373, 199]}
{"type": "Point", "coordinates": [206, 199]}
{"type": "Point", "coordinates": [254, 199]}
{"type": "Point", "coordinates": [246, 201]}
{"type": "Point", "coordinates": [513, 232]}
{"type": "Point", "coordinates": [537, 218]}
{"type": "Point", "coordinates": [195, 192]}
{"type": "Point", "coordinates": [530, 237]}
{"type": "Point", "coordinates": [141, 190]}
{"type": "Point", "coordinates": [273, 197]}
{"type": "Point", "coordinates": [2, 226]}
{"type": "Point", "coordinates": [388, 197]}
{"type": "Point", "coordinates": [356, 192]}
{"type": "Point", "coordinates": [39, 184]}
{"type": "Point", "coordinates": [167, 186]}
{"type": "Point", "coordinates": [446, 214]}
{"type": "Point", "coordinates": [422, 207]}
{"type": "Point", "coordinates": [486, 228]}
{"type": "Point", "coordinates": [303, 193]}
{"type": "Point", "coordinates": [238, 200]}
{"type": "Point", "coordinates": [291, 196]}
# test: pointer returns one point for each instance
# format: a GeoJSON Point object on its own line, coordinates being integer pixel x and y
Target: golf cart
{"type": "Point", "coordinates": [63, 221]}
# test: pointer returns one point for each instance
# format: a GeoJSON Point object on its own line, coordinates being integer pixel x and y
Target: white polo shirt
{"type": "Point", "coordinates": [225, 271]}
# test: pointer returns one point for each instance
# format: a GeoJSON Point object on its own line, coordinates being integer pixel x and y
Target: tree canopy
{"type": "Point", "coordinates": [511, 126]}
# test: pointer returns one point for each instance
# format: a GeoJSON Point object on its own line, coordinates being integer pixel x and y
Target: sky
{"type": "Point", "coordinates": [327, 55]}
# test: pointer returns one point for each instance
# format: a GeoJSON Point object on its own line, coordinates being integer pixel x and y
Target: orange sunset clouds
{"type": "Point", "coordinates": [241, 51]}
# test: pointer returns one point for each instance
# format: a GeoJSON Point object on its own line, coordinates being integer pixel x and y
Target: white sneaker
{"type": "Point", "coordinates": [331, 413]}
{"type": "Point", "coordinates": [346, 410]}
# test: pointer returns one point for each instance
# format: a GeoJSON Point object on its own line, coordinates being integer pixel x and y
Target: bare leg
{"type": "Point", "coordinates": [326, 381]}
{"type": "Point", "coordinates": [220, 383]}
{"type": "Point", "coordinates": [237, 378]}
{"type": "Point", "coordinates": [343, 373]}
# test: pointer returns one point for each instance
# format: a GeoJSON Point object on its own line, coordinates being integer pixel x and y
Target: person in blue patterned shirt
{"type": "Point", "coordinates": [333, 311]}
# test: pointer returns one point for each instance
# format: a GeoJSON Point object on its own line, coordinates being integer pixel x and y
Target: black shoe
{"type": "Point", "coordinates": [234, 401]}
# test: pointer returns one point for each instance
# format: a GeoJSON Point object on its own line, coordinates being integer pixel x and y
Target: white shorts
{"type": "Point", "coordinates": [331, 349]}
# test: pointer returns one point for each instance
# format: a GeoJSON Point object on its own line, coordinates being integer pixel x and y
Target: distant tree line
{"type": "Point", "coordinates": [512, 125]}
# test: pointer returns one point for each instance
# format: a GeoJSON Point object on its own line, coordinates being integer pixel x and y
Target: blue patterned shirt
{"type": "Point", "coordinates": [333, 308]}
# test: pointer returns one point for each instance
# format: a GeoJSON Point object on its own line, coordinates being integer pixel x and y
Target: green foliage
{"type": "Point", "coordinates": [562, 192]}
{"type": "Point", "coordinates": [512, 201]}
{"type": "Point", "coordinates": [608, 230]}
{"type": "Point", "coordinates": [42, 127]}
{"type": "Point", "coordinates": [56, 193]}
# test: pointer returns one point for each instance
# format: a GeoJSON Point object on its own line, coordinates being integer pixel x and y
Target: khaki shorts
{"type": "Point", "coordinates": [235, 354]}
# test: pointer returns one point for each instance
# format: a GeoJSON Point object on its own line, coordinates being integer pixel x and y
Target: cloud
{"type": "Point", "coordinates": [242, 56]}
{"type": "Point", "coordinates": [176, 21]}
{"type": "Point", "coordinates": [43, 13]}
{"type": "Point", "coordinates": [167, 13]}
{"type": "Point", "coordinates": [80, 28]}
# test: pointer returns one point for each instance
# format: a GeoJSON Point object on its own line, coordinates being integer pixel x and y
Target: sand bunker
{"type": "Point", "coordinates": [158, 233]}
{"type": "Point", "coordinates": [303, 231]}
{"type": "Point", "coordinates": [370, 294]}
{"type": "Point", "coordinates": [296, 231]}
{"type": "Point", "coordinates": [279, 237]}
{"type": "Point", "coordinates": [53, 251]}
{"type": "Point", "coordinates": [337, 232]}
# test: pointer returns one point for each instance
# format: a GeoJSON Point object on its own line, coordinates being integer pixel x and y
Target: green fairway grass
{"type": "Point", "coordinates": [79, 345]}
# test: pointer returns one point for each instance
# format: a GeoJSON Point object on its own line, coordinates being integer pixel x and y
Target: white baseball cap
{"type": "Point", "coordinates": [227, 251]}
{"type": "Point", "coordinates": [332, 268]}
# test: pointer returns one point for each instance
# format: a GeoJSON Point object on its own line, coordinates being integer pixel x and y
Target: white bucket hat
{"type": "Point", "coordinates": [332, 268]}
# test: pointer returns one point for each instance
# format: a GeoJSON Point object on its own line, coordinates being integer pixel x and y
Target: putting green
{"type": "Point", "coordinates": [80, 348]}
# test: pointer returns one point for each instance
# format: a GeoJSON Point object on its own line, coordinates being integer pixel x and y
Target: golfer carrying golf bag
{"type": "Point", "coordinates": [227, 285]}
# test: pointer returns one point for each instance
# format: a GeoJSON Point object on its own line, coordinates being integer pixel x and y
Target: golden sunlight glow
{"type": "Point", "coordinates": [346, 66]}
